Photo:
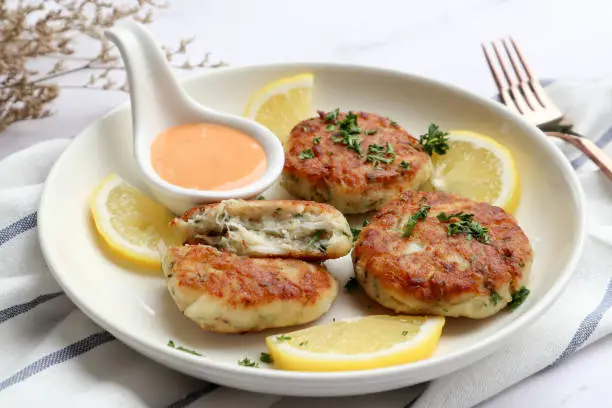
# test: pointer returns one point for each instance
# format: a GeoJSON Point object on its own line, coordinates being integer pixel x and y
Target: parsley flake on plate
{"type": "Point", "coordinates": [266, 358]}
{"type": "Point", "coordinates": [351, 284]}
{"type": "Point", "coordinates": [181, 348]}
{"type": "Point", "coordinates": [247, 362]}
{"type": "Point", "coordinates": [518, 298]}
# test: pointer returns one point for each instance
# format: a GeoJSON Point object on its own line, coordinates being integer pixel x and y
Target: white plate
{"type": "Point", "coordinates": [137, 309]}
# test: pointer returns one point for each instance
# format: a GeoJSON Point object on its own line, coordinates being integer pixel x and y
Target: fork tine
{"type": "Point", "coordinates": [504, 92]}
{"type": "Point", "coordinates": [533, 80]}
{"type": "Point", "coordinates": [494, 71]}
{"type": "Point", "coordinates": [524, 85]}
{"type": "Point", "coordinates": [517, 96]}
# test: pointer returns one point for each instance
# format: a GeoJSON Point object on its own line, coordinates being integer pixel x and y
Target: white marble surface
{"type": "Point", "coordinates": [441, 39]}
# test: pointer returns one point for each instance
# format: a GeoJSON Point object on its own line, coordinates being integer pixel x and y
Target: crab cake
{"type": "Point", "coordinates": [275, 228]}
{"type": "Point", "coordinates": [227, 293]}
{"type": "Point", "coordinates": [456, 258]}
{"type": "Point", "coordinates": [356, 162]}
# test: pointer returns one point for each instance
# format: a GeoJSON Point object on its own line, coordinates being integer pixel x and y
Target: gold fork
{"type": "Point", "coordinates": [523, 94]}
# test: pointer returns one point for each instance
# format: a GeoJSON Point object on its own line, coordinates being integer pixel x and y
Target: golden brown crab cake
{"type": "Point", "coordinates": [227, 293]}
{"type": "Point", "coordinates": [432, 272]}
{"type": "Point", "coordinates": [356, 162]}
{"type": "Point", "coordinates": [274, 228]}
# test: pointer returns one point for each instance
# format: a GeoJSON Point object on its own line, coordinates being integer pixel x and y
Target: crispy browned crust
{"type": "Point", "coordinates": [247, 282]}
{"type": "Point", "coordinates": [337, 167]}
{"type": "Point", "coordinates": [433, 275]}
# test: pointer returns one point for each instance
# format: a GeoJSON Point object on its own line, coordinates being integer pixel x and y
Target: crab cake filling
{"type": "Point", "coordinates": [270, 228]}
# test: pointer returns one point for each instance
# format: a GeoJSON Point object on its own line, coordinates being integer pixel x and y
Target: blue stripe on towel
{"type": "Point", "coordinates": [26, 223]}
{"type": "Point", "coordinates": [57, 357]}
{"type": "Point", "coordinates": [588, 325]}
{"type": "Point", "coordinates": [16, 310]}
{"type": "Point", "coordinates": [194, 396]}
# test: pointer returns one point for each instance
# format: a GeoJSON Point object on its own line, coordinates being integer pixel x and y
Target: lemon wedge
{"type": "Point", "coordinates": [358, 344]}
{"type": "Point", "coordinates": [131, 223]}
{"type": "Point", "coordinates": [479, 168]}
{"type": "Point", "coordinates": [281, 104]}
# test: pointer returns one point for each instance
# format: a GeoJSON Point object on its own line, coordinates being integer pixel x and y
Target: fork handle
{"type": "Point", "coordinates": [590, 149]}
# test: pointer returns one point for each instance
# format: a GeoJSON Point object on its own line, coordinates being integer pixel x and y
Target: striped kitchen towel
{"type": "Point", "coordinates": [53, 355]}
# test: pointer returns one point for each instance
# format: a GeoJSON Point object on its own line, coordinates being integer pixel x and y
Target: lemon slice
{"type": "Point", "coordinates": [281, 104]}
{"type": "Point", "coordinates": [479, 168]}
{"type": "Point", "coordinates": [131, 223]}
{"type": "Point", "coordinates": [358, 344]}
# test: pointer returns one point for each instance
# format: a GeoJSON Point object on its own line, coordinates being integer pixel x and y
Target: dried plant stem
{"type": "Point", "coordinates": [48, 29]}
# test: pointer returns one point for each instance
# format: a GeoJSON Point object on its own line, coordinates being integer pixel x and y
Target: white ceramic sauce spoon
{"type": "Point", "coordinates": [158, 102]}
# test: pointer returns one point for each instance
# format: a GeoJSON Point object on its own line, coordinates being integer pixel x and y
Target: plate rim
{"type": "Point", "coordinates": [483, 347]}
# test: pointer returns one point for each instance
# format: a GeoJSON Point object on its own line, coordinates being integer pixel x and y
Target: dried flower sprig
{"type": "Point", "coordinates": [50, 29]}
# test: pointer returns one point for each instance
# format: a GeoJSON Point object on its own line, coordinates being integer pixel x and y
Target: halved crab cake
{"type": "Point", "coordinates": [227, 293]}
{"type": "Point", "coordinates": [356, 162]}
{"type": "Point", "coordinates": [438, 253]}
{"type": "Point", "coordinates": [275, 228]}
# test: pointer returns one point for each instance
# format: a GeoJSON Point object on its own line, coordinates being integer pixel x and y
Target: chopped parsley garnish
{"type": "Point", "coordinates": [434, 141]}
{"type": "Point", "coordinates": [298, 216]}
{"type": "Point", "coordinates": [495, 297]}
{"type": "Point", "coordinates": [404, 333]}
{"type": "Point", "coordinates": [350, 124]}
{"type": "Point", "coordinates": [181, 348]}
{"type": "Point", "coordinates": [351, 284]}
{"type": "Point", "coordinates": [380, 154]}
{"type": "Point", "coordinates": [260, 197]}
{"type": "Point", "coordinates": [265, 358]}
{"type": "Point", "coordinates": [316, 140]}
{"type": "Point", "coordinates": [333, 115]}
{"type": "Point", "coordinates": [518, 298]}
{"type": "Point", "coordinates": [466, 225]}
{"type": "Point", "coordinates": [303, 343]}
{"type": "Point", "coordinates": [306, 154]}
{"type": "Point", "coordinates": [356, 231]}
{"type": "Point", "coordinates": [371, 132]}
{"type": "Point", "coordinates": [405, 165]}
{"type": "Point", "coordinates": [330, 128]}
{"type": "Point", "coordinates": [421, 214]}
{"type": "Point", "coordinates": [393, 123]}
{"type": "Point", "coordinates": [247, 362]}
{"type": "Point", "coordinates": [315, 239]}
{"type": "Point", "coordinates": [349, 133]}
{"type": "Point", "coordinates": [282, 337]}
